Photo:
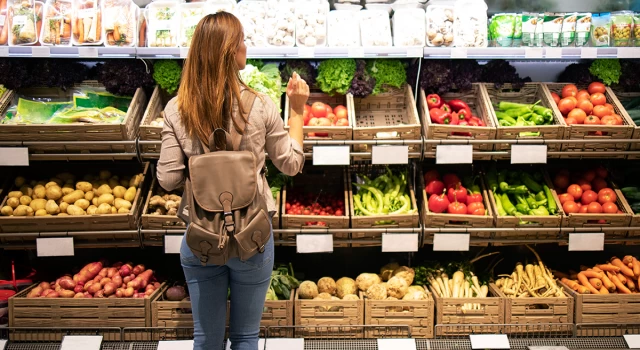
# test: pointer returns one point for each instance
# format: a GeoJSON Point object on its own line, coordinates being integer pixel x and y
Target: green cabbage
{"type": "Point", "coordinates": [265, 80]}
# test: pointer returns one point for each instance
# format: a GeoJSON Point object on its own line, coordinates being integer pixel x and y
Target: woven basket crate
{"type": "Point", "coordinates": [529, 93]}
{"type": "Point", "coordinates": [622, 97]}
{"type": "Point", "coordinates": [585, 132]}
{"type": "Point", "coordinates": [127, 130]}
{"type": "Point", "coordinates": [155, 108]}
{"type": "Point", "coordinates": [476, 100]}
{"type": "Point", "coordinates": [158, 222]}
{"type": "Point", "coordinates": [417, 314]}
{"type": "Point", "coordinates": [328, 318]}
{"type": "Point", "coordinates": [387, 116]}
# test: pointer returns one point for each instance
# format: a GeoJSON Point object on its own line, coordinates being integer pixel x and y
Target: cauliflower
{"type": "Point", "coordinates": [308, 290]}
{"type": "Point", "coordinates": [397, 287]}
{"type": "Point", "coordinates": [327, 285]}
{"type": "Point", "coordinates": [405, 273]}
{"type": "Point", "coordinates": [345, 286]}
{"type": "Point", "coordinates": [377, 292]}
{"type": "Point", "coordinates": [366, 280]}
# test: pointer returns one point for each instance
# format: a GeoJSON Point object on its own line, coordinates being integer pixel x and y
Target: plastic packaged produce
{"type": "Point", "coordinates": [583, 29]}
{"type": "Point", "coordinates": [600, 34]}
{"type": "Point", "coordinates": [87, 23]}
{"type": "Point", "coordinates": [119, 22]}
{"type": "Point", "coordinates": [23, 23]}
{"type": "Point", "coordinates": [408, 27]}
{"type": "Point", "coordinates": [552, 28]}
{"type": "Point", "coordinates": [621, 25]}
{"type": "Point", "coordinates": [342, 29]}
{"type": "Point", "coordinates": [163, 23]}
{"type": "Point", "coordinates": [375, 29]}
{"type": "Point", "coordinates": [57, 16]}
{"type": "Point", "coordinates": [440, 23]}
{"type": "Point", "coordinates": [502, 29]}
{"type": "Point", "coordinates": [529, 26]}
{"type": "Point", "coordinates": [311, 23]}
{"type": "Point", "coordinates": [568, 34]}
{"type": "Point", "coordinates": [142, 28]}
{"type": "Point", "coordinates": [280, 23]}
{"type": "Point", "coordinates": [517, 31]}
{"type": "Point", "coordinates": [636, 29]}
{"type": "Point", "coordinates": [252, 14]}
{"type": "Point", "coordinates": [4, 23]}
{"type": "Point", "coordinates": [190, 14]}
{"type": "Point", "coordinates": [470, 24]}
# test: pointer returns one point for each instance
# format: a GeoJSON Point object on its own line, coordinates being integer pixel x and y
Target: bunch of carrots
{"type": "Point", "coordinates": [617, 276]}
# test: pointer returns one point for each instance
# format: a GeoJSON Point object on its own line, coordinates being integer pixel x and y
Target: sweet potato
{"type": "Point", "coordinates": [105, 280]}
{"type": "Point", "coordinates": [99, 294]}
{"type": "Point", "coordinates": [142, 280]}
{"type": "Point", "coordinates": [88, 285]}
{"type": "Point", "coordinates": [67, 294]}
{"type": "Point", "coordinates": [128, 293]}
{"type": "Point", "coordinates": [52, 295]}
{"type": "Point", "coordinates": [126, 270]}
{"type": "Point", "coordinates": [94, 288]}
{"type": "Point", "coordinates": [120, 293]}
{"type": "Point", "coordinates": [109, 288]}
{"type": "Point", "coordinates": [148, 292]}
{"type": "Point", "coordinates": [44, 285]}
{"type": "Point", "coordinates": [112, 271]}
{"type": "Point", "coordinates": [104, 272]}
{"type": "Point", "coordinates": [117, 281]}
{"type": "Point", "coordinates": [78, 296]}
{"type": "Point", "coordinates": [35, 292]}
{"type": "Point", "coordinates": [138, 269]}
{"type": "Point", "coordinates": [67, 283]}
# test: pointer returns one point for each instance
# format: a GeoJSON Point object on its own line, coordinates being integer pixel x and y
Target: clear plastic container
{"type": "Point", "coordinates": [119, 23]}
{"type": "Point", "coordinates": [636, 29]}
{"type": "Point", "coordinates": [379, 7]}
{"type": "Point", "coordinates": [600, 29]}
{"type": "Point", "coordinates": [568, 35]}
{"type": "Point", "coordinates": [221, 5]}
{"type": "Point", "coordinates": [583, 29]}
{"type": "Point", "coordinates": [502, 28]}
{"type": "Point", "coordinates": [621, 27]}
{"type": "Point", "coordinates": [375, 28]}
{"type": "Point", "coordinates": [190, 15]}
{"type": "Point", "coordinates": [57, 16]}
{"type": "Point", "coordinates": [22, 22]}
{"type": "Point", "coordinates": [408, 27]}
{"type": "Point", "coordinates": [252, 14]}
{"type": "Point", "coordinates": [163, 24]}
{"type": "Point", "coordinates": [440, 21]}
{"type": "Point", "coordinates": [4, 27]}
{"type": "Point", "coordinates": [311, 23]}
{"type": "Point", "coordinates": [280, 24]}
{"type": "Point", "coordinates": [87, 19]}
{"type": "Point", "coordinates": [470, 24]}
{"type": "Point", "coordinates": [342, 29]}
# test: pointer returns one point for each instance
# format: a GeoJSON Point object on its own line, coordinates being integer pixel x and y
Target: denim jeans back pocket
{"type": "Point", "coordinates": [187, 258]}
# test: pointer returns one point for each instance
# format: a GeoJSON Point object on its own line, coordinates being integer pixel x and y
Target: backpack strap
{"type": "Point", "coordinates": [247, 100]}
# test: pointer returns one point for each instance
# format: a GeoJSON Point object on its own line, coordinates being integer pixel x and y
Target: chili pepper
{"type": "Point", "coordinates": [434, 101]}
{"type": "Point", "coordinates": [522, 200]}
{"type": "Point", "coordinates": [509, 120]}
{"type": "Point", "coordinates": [445, 107]}
{"type": "Point", "coordinates": [440, 116]}
{"type": "Point", "coordinates": [541, 211]}
{"type": "Point", "coordinates": [505, 122]}
{"type": "Point", "coordinates": [522, 208]}
{"type": "Point", "coordinates": [531, 183]}
{"type": "Point", "coordinates": [458, 105]}
{"type": "Point", "coordinates": [517, 112]}
{"type": "Point", "coordinates": [543, 111]}
{"type": "Point", "coordinates": [551, 203]}
{"type": "Point", "coordinates": [529, 134]}
{"type": "Point", "coordinates": [500, 114]}
{"type": "Point", "coordinates": [492, 178]}
{"type": "Point", "coordinates": [499, 208]}
{"type": "Point", "coordinates": [504, 105]}
{"type": "Point", "coordinates": [537, 119]}
{"type": "Point", "coordinates": [508, 207]}
{"type": "Point", "coordinates": [541, 196]}
{"type": "Point", "coordinates": [520, 121]}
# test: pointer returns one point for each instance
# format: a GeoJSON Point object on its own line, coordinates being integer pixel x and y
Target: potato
{"type": "Point", "coordinates": [84, 186]}
{"type": "Point", "coordinates": [56, 180]}
{"type": "Point", "coordinates": [67, 294]}
{"type": "Point", "coordinates": [13, 202]}
{"type": "Point", "coordinates": [63, 214]}
{"type": "Point", "coordinates": [75, 210]}
{"type": "Point", "coordinates": [41, 212]}
{"type": "Point", "coordinates": [25, 200]}
{"type": "Point", "coordinates": [21, 210]}
{"type": "Point", "coordinates": [130, 195]}
{"type": "Point", "coordinates": [113, 182]}
{"type": "Point", "coordinates": [26, 190]}
{"type": "Point", "coordinates": [104, 174]}
{"type": "Point", "coordinates": [15, 194]}
{"type": "Point", "coordinates": [73, 196]}
{"type": "Point", "coordinates": [39, 192]}
{"type": "Point", "coordinates": [53, 192]}
{"type": "Point", "coordinates": [63, 207]}
{"type": "Point", "coordinates": [114, 210]}
{"type": "Point", "coordinates": [92, 209]}
{"type": "Point", "coordinates": [104, 189]}
{"type": "Point", "coordinates": [89, 195]}
{"type": "Point", "coordinates": [125, 182]}
{"type": "Point", "coordinates": [52, 207]}
{"type": "Point", "coordinates": [123, 211]}
{"type": "Point", "coordinates": [19, 181]}
{"type": "Point", "coordinates": [67, 189]}
{"type": "Point", "coordinates": [82, 203]}
{"type": "Point", "coordinates": [38, 204]}
{"type": "Point", "coordinates": [94, 201]}
{"type": "Point", "coordinates": [6, 211]}
{"type": "Point", "coordinates": [104, 208]}
{"type": "Point", "coordinates": [135, 181]}
{"type": "Point", "coordinates": [50, 184]}
{"type": "Point", "coordinates": [119, 191]}
{"type": "Point", "coordinates": [106, 198]}
{"type": "Point", "coordinates": [121, 203]}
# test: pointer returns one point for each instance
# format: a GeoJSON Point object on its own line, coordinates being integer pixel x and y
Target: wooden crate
{"type": "Point", "coordinates": [155, 109]}
{"type": "Point", "coordinates": [127, 130]}
{"type": "Point", "coordinates": [599, 315]}
{"type": "Point", "coordinates": [417, 314]}
{"type": "Point", "coordinates": [333, 323]}
{"type": "Point", "coordinates": [623, 96]}
{"type": "Point", "coordinates": [585, 132]}
{"type": "Point", "coordinates": [129, 221]}
{"type": "Point", "coordinates": [326, 132]}
{"type": "Point", "coordinates": [158, 222]}
{"type": "Point", "coordinates": [480, 107]}
{"type": "Point", "coordinates": [387, 116]}
{"type": "Point", "coordinates": [530, 93]}
{"type": "Point", "coordinates": [275, 221]}
{"type": "Point", "coordinates": [449, 312]}
{"type": "Point", "coordinates": [80, 313]}
{"type": "Point", "coordinates": [540, 315]}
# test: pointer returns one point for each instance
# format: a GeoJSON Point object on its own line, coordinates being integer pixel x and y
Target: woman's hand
{"type": "Point", "coordinates": [298, 93]}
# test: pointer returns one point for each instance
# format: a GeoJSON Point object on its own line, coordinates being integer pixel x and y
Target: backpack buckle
{"type": "Point", "coordinates": [229, 224]}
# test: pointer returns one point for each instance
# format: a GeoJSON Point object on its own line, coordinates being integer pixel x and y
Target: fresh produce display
{"type": "Point", "coordinates": [329, 289]}
{"type": "Point", "coordinates": [531, 280]}
{"type": "Point", "coordinates": [586, 192]}
{"type": "Point", "coordinates": [87, 23]}
{"type": "Point", "coordinates": [96, 280]}
{"type": "Point", "coordinates": [609, 71]}
{"type": "Point", "coordinates": [282, 283]}
{"type": "Point", "coordinates": [176, 293]}
{"type": "Point", "coordinates": [448, 195]}
{"type": "Point", "coordinates": [502, 29]}
{"type": "Point", "coordinates": [65, 195]}
{"type": "Point", "coordinates": [321, 114]}
{"type": "Point", "coordinates": [334, 76]}
{"type": "Point", "coordinates": [360, 77]}
{"type": "Point", "coordinates": [311, 24]}
{"type": "Point", "coordinates": [163, 24]}
{"type": "Point", "coordinates": [387, 194]}
{"type": "Point", "coordinates": [163, 203]}
{"type": "Point", "coordinates": [439, 23]}
{"type": "Point", "coordinates": [124, 77]}
{"type": "Point", "coordinates": [519, 193]}
{"type": "Point", "coordinates": [452, 112]}
{"type": "Point", "coordinates": [167, 74]}
{"type": "Point", "coordinates": [22, 19]}
{"type": "Point", "coordinates": [265, 80]}
{"type": "Point", "coordinates": [388, 74]}
{"type": "Point", "coordinates": [119, 22]}
{"type": "Point", "coordinates": [342, 29]}
{"type": "Point", "coordinates": [617, 276]}
{"type": "Point", "coordinates": [57, 17]}
{"type": "Point", "coordinates": [394, 282]}
{"type": "Point", "coordinates": [520, 114]}
{"type": "Point", "coordinates": [313, 204]}
{"type": "Point", "coordinates": [304, 68]}
{"type": "Point", "coordinates": [375, 28]}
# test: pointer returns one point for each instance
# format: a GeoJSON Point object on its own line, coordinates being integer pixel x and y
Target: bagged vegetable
{"type": "Point", "coordinates": [568, 34]}
{"type": "Point", "coordinates": [311, 23]}
{"type": "Point", "coordinates": [600, 29]}
{"type": "Point", "coordinates": [163, 24]}
{"type": "Point", "coordinates": [343, 30]}
{"type": "Point", "coordinates": [470, 24]}
{"type": "Point", "coordinates": [583, 29]}
{"type": "Point", "coordinates": [502, 29]}
{"type": "Point", "coordinates": [279, 25]}
{"type": "Point", "coordinates": [120, 18]}
{"type": "Point", "coordinates": [408, 27]}
{"type": "Point", "coordinates": [252, 15]}
{"type": "Point", "coordinates": [529, 27]}
{"type": "Point", "coordinates": [190, 15]}
{"type": "Point", "coordinates": [552, 28]}
{"type": "Point", "coordinates": [375, 29]}
{"type": "Point", "coordinates": [23, 23]}
{"type": "Point", "coordinates": [57, 16]}
{"type": "Point", "coordinates": [439, 23]}
{"type": "Point", "coordinates": [636, 29]}
{"type": "Point", "coordinates": [621, 25]}
{"type": "Point", "coordinates": [4, 23]}
{"type": "Point", "coordinates": [87, 23]}
{"type": "Point", "coordinates": [517, 31]}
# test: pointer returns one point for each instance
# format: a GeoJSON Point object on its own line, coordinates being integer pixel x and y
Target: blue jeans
{"type": "Point", "coordinates": [248, 281]}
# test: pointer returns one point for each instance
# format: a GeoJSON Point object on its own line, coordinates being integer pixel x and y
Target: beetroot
{"type": "Point", "coordinates": [175, 293]}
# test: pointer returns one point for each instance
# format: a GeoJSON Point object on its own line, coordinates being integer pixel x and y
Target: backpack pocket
{"type": "Point", "coordinates": [254, 237]}
{"type": "Point", "coordinates": [205, 245]}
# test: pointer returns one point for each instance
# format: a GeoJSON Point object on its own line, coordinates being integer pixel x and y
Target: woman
{"type": "Point", "coordinates": [209, 95]}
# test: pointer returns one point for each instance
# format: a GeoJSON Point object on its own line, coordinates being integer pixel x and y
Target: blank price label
{"type": "Point", "coordinates": [589, 52]}
{"type": "Point", "coordinates": [261, 342]}
{"type": "Point", "coordinates": [40, 51]}
{"type": "Point", "coordinates": [589, 242]}
{"type": "Point", "coordinates": [547, 347]}
{"type": "Point", "coordinates": [314, 243]}
{"type": "Point", "coordinates": [396, 344]}
{"type": "Point", "coordinates": [528, 154]}
{"type": "Point", "coordinates": [458, 52]}
{"type": "Point", "coordinates": [14, 156]}
{"type": "Point", "coordinates": [81, 342]}
{"type": "Point", "coordinates": [331, 155]}
{"type": "Point", "coordinates": [4, 52]}
{"type": "Point", "coordinates": [390, 155]}
{"type": "Point", "coordinates": [399, 242]}
{"type": "Point", "coordinates": [454, 154]}
{"type": "Point", "coordinates": [175, 345]}
{"type": "Point", "coordinates": [285, 344]}
{"type": "Point", "coordinates": [3, 344]}
{"type": "Point", "coordinates": [628, 52]}
{"type": "Point", "coordinates": [184, 51]}
{"type": "Point", "coordinates": [417, 52]}
{"type": "Point", "coordinates": [553, 52]}
{"type": "Point", "coordinates": [489, 341]}
{"type": "Point", "coordinates": [62, 246]}
{"type": "Point", "coordinates": [88, 52]}
{"type": "Point", "coordinates": [356, 52]}
{"type": "Point", "coordinates": [172, 244]}
{"type": "Point", "coordinates": [451, 242]}
{"type": "Point", "coordinates": [533, 52]}
{"type": "Point", "coordinates": [306, 52]}
{"type": "Point", "coordinates": [633, 340]}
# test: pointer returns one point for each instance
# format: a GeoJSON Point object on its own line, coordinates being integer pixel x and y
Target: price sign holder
{"type": "Point", "coordinates": [306, 52]}
{"type": "Point", "coordinates": [390, 154]}
{"type": "Point", "coordinates": [533, 347]}
{"type": "Point", "coordinates": [175, 345]}
{"type": "Point", "coordinates": [81, 342]}
{"type": "Point", "coordinates": [331, 155]}
{"type": "Point", "coordinates": [454, 154]}
{"type": "Point", "coordinates": [184, 52]}
{"type": "Point", "coordinates": [396, 344]}
{"type": "Point", "coordinates": [533, 52]}
{"type": "Point", "coordinates": [314, 243]}
{"type": "Point", "coordinates": [415, 52]}
{"type": "Point", "coordinates": [458, 52]}
{"type": "Point", "coordinates": [553, 52]}
{"type": "Point", "coordinates": [489, 341]}
{"type": "Point", "coordinates": [4, 51]}
{"type": "Point", "coordinates": [172, 244]}
{"type": "Point", "coordinates": [88, 52]}
{"type": "Point", "coordinates": [59, 246]}
{"type": "Point", "coordinates": [399, 242]}
{"type": "Point", "coordinates": [586, 242]}
{"type": "Point", "coordinates": [356, 52]}
{"type": "Point", "coordinates": [628, 52]}
{"type": "Point", "coordinates": [40, 51]}
{"type": "Point", "coordinates": [261, 342]}
{"type": "Point", "coordinates": [14, 156]}
{"type": "Point", "coordinates": [451, 242]}
{"type": "Point", "coordinates": [528, 154]}
{"type": "Point", "coordinates": [3, 344]}
{"type": "Point", "coordinates": [589, 52]}
{"type": "Point", "coordinates": [632, 340]}
{"type": "Point", "coordinates": [284, 344]}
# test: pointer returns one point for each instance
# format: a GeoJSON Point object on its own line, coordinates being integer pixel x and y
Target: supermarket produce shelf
{"type": "Point", "coordinates": [88, 52]}
{"type": "Point", "coordinates": [532, 52]}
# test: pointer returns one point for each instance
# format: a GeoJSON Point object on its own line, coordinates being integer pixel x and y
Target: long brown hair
{"type": "Point", "coordinates": [211, 83]}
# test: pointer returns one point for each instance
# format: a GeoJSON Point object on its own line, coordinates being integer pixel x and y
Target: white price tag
{"type": "Point", "coordinates": [61, 246]}
{"type": "Point", "coordinates": [40, 51]}
{"type": "Point", "coordinates": [81, 342]}
{"type": "Point", "coordinates": [285, 344]}
{"type": "Point", "coordinates": [399, 242]}
{"type": "Point", "coordinates": [356, 52]}
{"type": "Point", "coordinates": [532, 347]}
{"type": "Point", "coordinates": [261, 342]}
{"type": "Point", "coordinates": [489, 341]}
{"type": "Point", "coordinates": [396, 344]}
{"type": "Point", "coordinates": [89, 52]}
{"type": "Point", "coordinates": [314, 243]}
{"type": "Point", "coordinates": [172, 244]}
{"type": "Point", "coordinates": [528, 154]}
{"type": "Point", "coordinates": [589, 52]}
{"type": "Point", "coordinates": [306, 52]}
{"type": "Point", "coordinates": [628, 52]}
{"type": "Point", "coordinates": [454, 154]}
{"type": "Point", "coordinates": [3, 344]}
{"type": "Point", "coordinates": [390, 155]}
{"type": "Point", "coordinates": [14, 156]}
{"type": "Point", "coordinates": [553, 52]}
{"type": "Point", "coordinates": [533, 52]}
{"type": "Point", "coordinates": [458, 52]}
{"type": "Point", "coordinates": [4, 51]}
{"type": "Point", "coordinates": [590, 242]}
{"type": "Point", "coordinates": [417, 52]}
{"type": "Point", "coordinates": [184, 52]}
{"type": "Point", "coordinates": [331, 155]}
{"type": "Point", "coordinates": [633, 340]}
{"type": "Point", "coordinates": [175, 345]}
{"type": "Point", "coordinates": [451, 242]}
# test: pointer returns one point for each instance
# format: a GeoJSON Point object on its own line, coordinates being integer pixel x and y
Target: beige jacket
{"type": "Point", "coordinates": [264, 131]}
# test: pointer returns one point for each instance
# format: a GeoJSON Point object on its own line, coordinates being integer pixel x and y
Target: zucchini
{"type": "Point", "coordinates": [629, 190]}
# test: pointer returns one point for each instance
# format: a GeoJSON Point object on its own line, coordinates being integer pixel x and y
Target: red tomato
{"type": "Point", "coordinates": [606, 195]}
{"type": "Point", "coordinates": [556, 98]}
{"type": "Point", "coordinates": [586, 106]}
{"type": "Point", "coordinates": [431, 175]}
{"type": "Point", "coordinates": [610, 208]}
{"type": "Point", "coordinates": [592, 120]}
{"type": "Point", "coordinates": [561, 181]}
{"type": "Point", "coordinates": [328, 108]}
{"type": "Point", "coordinates": [600, 111]}
{"type": "Point", "coordinates": [318, 110]}
{"type": "Point", "coordinates": [331, 116]}
{"type": "Point", "coordinates": [596, 87]}
{"type": "Point", "coordinates": [566, 105]}
{"type": "Point", "coordinates": [577, 114]}
{"type": "Point", "coordinates": [340, 112]}
{"type": "Point", "coordinates": [570, 121]}
{"type": "Point", "coordinates": [569, 90]}
{"type": "Point", "coordinates": [589, 197]}
{"type": "Point", "coordinates": [584, 209]}
{"type": "Point", "coordinates": [342, 122]}
{"type": "Point", "coordinates": [475, 206]}
{"type": "Point", "coordinates": [594, 207]}
{"type": "Point", "coordinates": [602, 172]}
{"type": "Point", "coordinates": [610, 108]}
{"type": "Point", "coordinates": [565, 197]}
{"type": "Point", "coordinates": [608, 120]}
{"type": "Point", "coordinates": [307, 108]}
{"type": "Point", "coordinates": [589, 175]}
{"type": "Point", "coordinates": [570, 207]}
{"type": "Point", "coordinates": [599, 183]}
{"type": "Point", "coordinates": [584, 184]}
{"type": "Point", "coordinates": [338, 212]}
{"type": "Point", "coordinates": [598, 99]}
{"type": "Point", "coordinates": [575, 191]}
{"type": "Point", "coordinates": [583, 94]}
{"type": "Point", "coordinates": [618, 119]}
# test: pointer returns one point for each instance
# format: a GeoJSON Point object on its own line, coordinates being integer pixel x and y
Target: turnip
{"type": "Point", "coordinates": [175, 293]}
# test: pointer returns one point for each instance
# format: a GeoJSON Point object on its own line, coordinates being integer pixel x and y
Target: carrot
{"type": "Point", "coordinates": [569, 282]}
{"type": "Point", "coordinates": [582, 289]}
{"type": "Point", "coordinates": [4, 35]}
{"type": "Point", "coordinates": [631, 285]}
{"type": "Point", "coordinates": [596, 283]}
{"type": "Point", "coordinates": [620, 287]}
{"type": "Point", "coordinates": [623, 268]}
{"type": "Point", "coordinates": [608, 267]}
{"type": "Point", "coordinates": [627, 259]}
{"type": "Point", "coordinates": [99, 27]}
{"type": "Point", "coordinates": [622, 278]}
{"type": "Point", "coordinates": [585, 282]}
{"type": "Point", "coordinates": [592, 274]}
{"type": "Point", "coordinates": [559, 274]}
{"type": "Point", "coordinates": [604, 290]}
{"type": "Point", "coordinates": [636, 267]}
{"type": "Point", "coordinates": [142, 34]}
{"type": "Point", "coordinates": [80, 31]}
{"type": "Point", "coordinates": [606, 282]}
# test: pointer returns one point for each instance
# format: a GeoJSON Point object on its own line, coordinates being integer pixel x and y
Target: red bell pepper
{"type": "Point", "coordinates": [445, 107]}
{"type": "Point", "coordinates": [457, 105]}
{"type": "Point", "coordinates": [464, 113]}
{"type": "Point", "coordinates": [434, 101]}
{"type": "Point", "coordinates": [440, 116]}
